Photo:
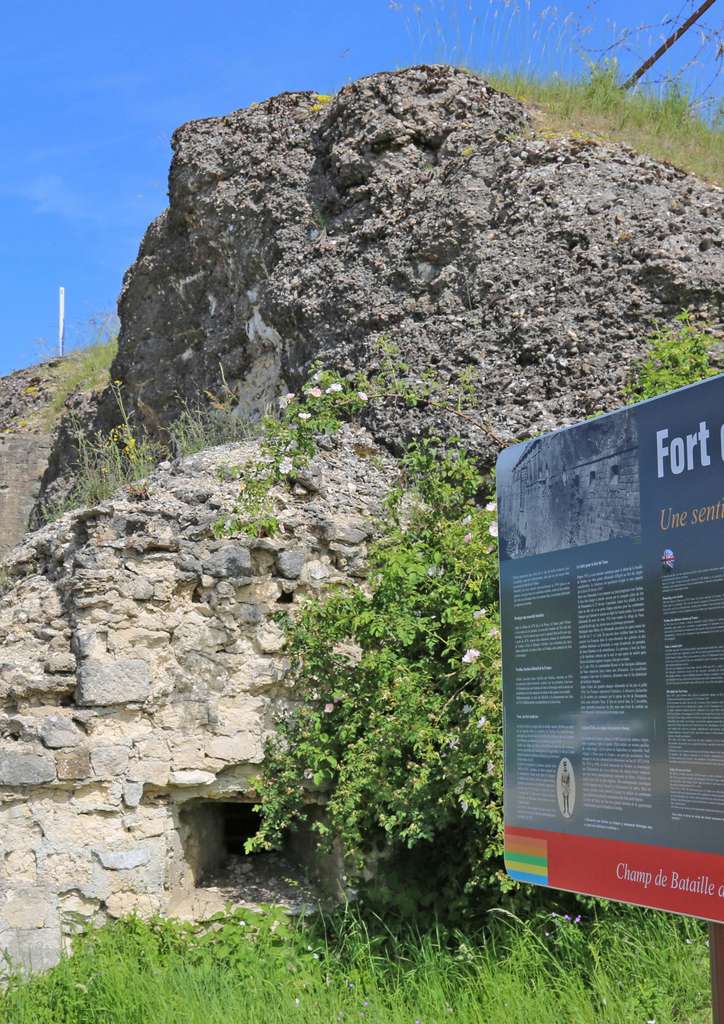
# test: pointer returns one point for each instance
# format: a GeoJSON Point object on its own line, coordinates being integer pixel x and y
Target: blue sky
{"type": "Point", "coordinates": [90, 93]}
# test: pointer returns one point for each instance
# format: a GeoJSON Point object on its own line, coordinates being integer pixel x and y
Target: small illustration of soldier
{"type": "Point", "coordinates": [566, 788]}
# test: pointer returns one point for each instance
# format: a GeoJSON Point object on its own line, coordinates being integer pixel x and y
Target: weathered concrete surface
{"type": "Point", "coordinates": [419, 205]}
{"type": "Point", "coordinates": [25, 445]}
{"type": "Point", "coordinates": [141, 669]}
{"type": "Point", "coordinates": [23, 461]}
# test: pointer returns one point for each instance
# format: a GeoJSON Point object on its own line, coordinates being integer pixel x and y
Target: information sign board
{"type": "Point", "coordinates": [612, 606]}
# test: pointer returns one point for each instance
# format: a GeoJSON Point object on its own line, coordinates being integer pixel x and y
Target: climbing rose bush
{"type": "Point", "coordinates": [399, 726]}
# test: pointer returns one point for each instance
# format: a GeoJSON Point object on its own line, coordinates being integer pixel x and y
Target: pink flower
{"type": "Point", "coordinates": [479, 613]}
{"type": "Point", "coordinates": [305, 415]}
{"type": "Point", "coordinates": [468, 537]}
{"type": "Point", "coordinates": [470, 656]}
{"type": "Point", "coordinates": [328, 709]}
{"type": "Point", "coordinates": [493, 529]}
{"type": "Point", "coordinates": [362, 396]}
{"type": "Point", "coordinates": [334, 388]}
{"type": "Point", "coordinates": [490, 507]}
{"type": "Point", "coordinates": [315, 392]}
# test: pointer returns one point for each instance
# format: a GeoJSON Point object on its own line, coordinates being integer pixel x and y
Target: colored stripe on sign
{"type": "Point", "coordinates": [526, 858]}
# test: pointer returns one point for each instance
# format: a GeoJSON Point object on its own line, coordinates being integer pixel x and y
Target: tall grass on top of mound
{"type": "Point", "coordinates": [664, 125]}
{"type": "Point", "coordinates": [108, 462]}
{"type": "Point", "coordinates": [85, 369]}
{"type": "Point", "coordinates": [251, 968]}
{"type": "Point", "coordinates": [545, 55]}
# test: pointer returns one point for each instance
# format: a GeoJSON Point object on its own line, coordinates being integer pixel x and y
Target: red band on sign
{"type": "Point", "coordinates": [682, 881]}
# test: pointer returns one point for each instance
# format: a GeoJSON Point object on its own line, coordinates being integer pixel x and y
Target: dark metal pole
{"type": "Point", "coordinates": [716, 958]}
{"type": "Point", "coordinates": [668, 44]}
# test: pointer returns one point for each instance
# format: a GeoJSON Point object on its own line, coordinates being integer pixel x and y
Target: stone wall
{"type": "Point", "coordinates": [23, 461]}
{"type": "Point", "coordinates": [141, 668]}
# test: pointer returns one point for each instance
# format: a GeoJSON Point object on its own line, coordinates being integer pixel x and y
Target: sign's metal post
{"type": "Point", "coordinates": [716, 958]}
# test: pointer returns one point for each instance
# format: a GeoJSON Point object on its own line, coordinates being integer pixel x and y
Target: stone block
{"type": "Point", "coordinates": [24, 769]}
{"type": "Point", "coordinates": [270, 637]}
{"type": "Point", "coordinates": [20, 866]}
{"type": "Point", "coordinates": [33, 949]}
{"type": "Point", "coordinates": [73, 765]}
{"type": "Point", "coordinates": [291, 562]}
{"type": "Point", "coordinates": [187, 754]}
{"type": "Point", "coordinates": [229, 561]}
{"type": "Point", "coordinates": [347, 530]}
{"type": "Point", "coordinates": [57, 732]}
{"type": "Point", "coordinates": [60, 663]}
{"type": "Point", "coordinates": [25, 910]}
{"type": "Point", "coordinates": [62, 869]}
{"type": "Point", "coordinates": [153, 771]}
{"type": "Point", "coordinates": [243, 748]}
{"type": "Point", "coordinates": [109, 762]}
{"type": "Point", "coordinates": [132, 793]}
{"type": "Point", "coordinates": [316, 573]}
{"type": "Point", "coordinates": [74, 903]}
{"type": "Point", "coordinates": [121, 904]}
{"type": "Point", "coordinates": [113, 682]}
{"type": "Point", "coordinates": [123, 860]}
{"type": "Point", "coordinates": [191, 778]}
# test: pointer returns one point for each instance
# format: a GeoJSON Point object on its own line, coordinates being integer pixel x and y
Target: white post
{"type": "Point", "coordinates": [61, 321]}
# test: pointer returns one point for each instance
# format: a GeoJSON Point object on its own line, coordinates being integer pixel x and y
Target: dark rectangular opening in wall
{"type": "Point", "coordinates": [241, 822]}
{"type": "Point", "coordinates": [213, 832]}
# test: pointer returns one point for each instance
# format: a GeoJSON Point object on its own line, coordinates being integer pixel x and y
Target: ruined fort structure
{"type": "Point", "coordinates": [141, 668]}
{"type": "Point", "coordinates": [141, 665]}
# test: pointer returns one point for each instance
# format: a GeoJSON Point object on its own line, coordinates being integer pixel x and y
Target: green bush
{"type": "Point", "coordinates": [399, 729]}
{"type": "Point", "coordinates": [401, 722]}
{"type": "Point", "coordinates": [675, 356]}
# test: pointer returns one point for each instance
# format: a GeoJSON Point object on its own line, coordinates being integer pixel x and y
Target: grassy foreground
{"type": "Point", "coordinates": [257, 969]}
{"type": "Point", "coordinates": [664, 126]}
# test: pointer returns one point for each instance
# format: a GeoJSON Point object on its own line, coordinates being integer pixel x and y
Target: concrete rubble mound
{"type": "Point", "coordinates": [421, 206]}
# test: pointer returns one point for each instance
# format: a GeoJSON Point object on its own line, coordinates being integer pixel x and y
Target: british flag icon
{"type": "Point", "coordinates": [668, 559]}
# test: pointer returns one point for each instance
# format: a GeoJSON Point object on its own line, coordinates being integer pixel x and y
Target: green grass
{"type": "Point", "coordinates": [197, 428]}
{"type": "Point", "coordinates": [106, 463]}
{"type": "Point", "coordinates": [664, 125]}
{"type": "Point", "coordinates": [623, 969]}
{"type": "Point", "coordinates": [86, 369]}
